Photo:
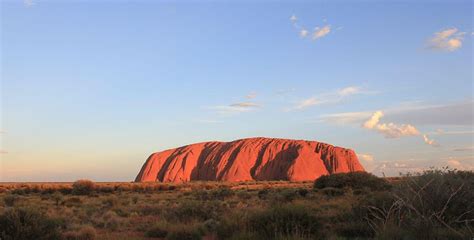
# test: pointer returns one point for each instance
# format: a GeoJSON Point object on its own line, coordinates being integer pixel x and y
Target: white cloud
{"type": "Point", "coordinates": [461, 163]}
{"type": "Point", "coordinates": [429, 141]}
{"type": "Point", "coordinates": [392, 130]}
{"type": "Point", "coordinates": [303, 33]}
{"type": "Point", "coordinates": [321, 32]}
{"type": "Point", "coordinates": [365, 157]}
{"type": "Point", "coordinates": [447, 40]}
{"type": "Point", "coordinates": [454, 163]}
{"type": "Point", "coordinates": [28, 3]}
{"type": "Point", "coordinates": [374, 120]}
{"type": "Point", "coordinates": [293, 18]}
{"type": "Point", "coordinates": [389, 130]}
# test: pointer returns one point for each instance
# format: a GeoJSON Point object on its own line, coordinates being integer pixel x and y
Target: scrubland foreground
{"type": "Point", "coordinates": [436, 204]}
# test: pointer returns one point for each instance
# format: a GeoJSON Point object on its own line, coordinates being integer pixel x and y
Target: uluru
{"type": "Point", "coordinates": [250, 159]}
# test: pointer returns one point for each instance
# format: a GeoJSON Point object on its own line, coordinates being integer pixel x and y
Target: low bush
{"type": "Point", "coordinates": [184, 232]}
{"type": "Point", "coordinates": [159, 230]}
{"type": "Point", "coordinates": [354, 180]}
{"type": "Point", "coordinates": [194, 210]}
{"type": "Point", "coordinates": [57, 198]}
{"type": "Point", "coordinates": [303, 192]}
{"type": "Point", "coordinates": [332, 192]}
{"type": "Point", "coordinates": [84, 233]}
{"type": "Point", "coordinates": [83, 187]}
{"type": "Point", "coordinates": [10, 200]}
{"type": "Point", "coordinates": [111, 220]}
{"type": "Point", "coordinates": [73, 201]}
{"type": "Point", "coordinates": [111, 201]}
{"type": "Point", "coordinates": [27, 224]}
{"type": "Point", "coordinates": [285, 221]}
{"type": "Point", "coordinates": [435, 204]}
{"type": "Point", "coordinates": [221, 193]}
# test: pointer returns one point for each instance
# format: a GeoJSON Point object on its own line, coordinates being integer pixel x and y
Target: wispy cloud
{"type": "Point", "coordinates": [28, 3]}
{"type": "Point", "coordinates": [447, 40]}
{"type": "Point", "coordinates": [320, 32]}
{"type": "Point", "coordinates": [238, 107]}
{"type": "Point", "coordinates": [245, 105]}
{"type": "Point", "coordinates": [251, 95]}
{"type": "Point", "coordinates": [317, 33]}
{"type": "Point", "coordinates": [345, 118]}
{"type": "Point", "coordinates": [313, 101]}
{"type": "Point", "coordinates": [329, 97]}
{"type": "Point", "coordinates": [235, 108]}
{"type": "Point", "coordinates": [464, 149]}
{"type": "Point", "coordinates": [209, 121]}
{"type": "Point", "coordinates": [449, 114]}
{"type": "Point", "coordinates": [443, 132]}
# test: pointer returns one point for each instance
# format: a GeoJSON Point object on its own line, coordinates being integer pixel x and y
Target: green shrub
{"type": "Point", "coordinates": [159, 230]}
{"type": "Point", "coordinates": [263, 194]}
{"type": "Point", "coordinates": [354, 228]}
{"type": "Point", "coordinates": [83, 187]}
{"type": "Point", "coordinates": [194, 210]}
{"type": "Point", "coordinates": [27, 224]}
{"type": "Point", "coordinates": [303, 192]}
{"type": "Point", "coordinates": [244, 195]}
{"type": "Point", "coordinates": [285, 221]}
{"type": "Point", "coordinates": [221, 193]}
{"type": "Point", "coordinates": [354, 180]}
{"type": "Point", "coordinates": [286, 195]}
{"type": "Point", "coordinates": [228, 227]}
{"type": "Point", "coordinates": [57, 198]}
{"type": "Point", "coordinates": [332, 192]}
{"type": "Point", "coordinates": [184, 233]}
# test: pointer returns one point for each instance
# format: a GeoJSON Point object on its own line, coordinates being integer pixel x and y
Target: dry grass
{"type": "Point", "coordinates": [207, 210]}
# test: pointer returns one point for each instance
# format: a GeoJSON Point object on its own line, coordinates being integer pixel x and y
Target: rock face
{"type": "Point", "coordinates": [249, 159]}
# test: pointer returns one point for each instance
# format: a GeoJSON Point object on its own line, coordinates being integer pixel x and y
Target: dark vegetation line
{"type": "Point", "coordinates": [435, 204]}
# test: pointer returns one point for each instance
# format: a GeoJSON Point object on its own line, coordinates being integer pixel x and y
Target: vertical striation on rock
{"type": "Point", "coordinates": [248, 160]}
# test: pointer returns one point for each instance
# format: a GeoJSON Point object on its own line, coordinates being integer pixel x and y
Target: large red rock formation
{"type": "Point", "coordinates": [249, 159]}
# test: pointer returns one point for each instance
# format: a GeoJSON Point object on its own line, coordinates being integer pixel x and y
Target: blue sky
{"type": "Point", "coordinates": [91, 88]}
